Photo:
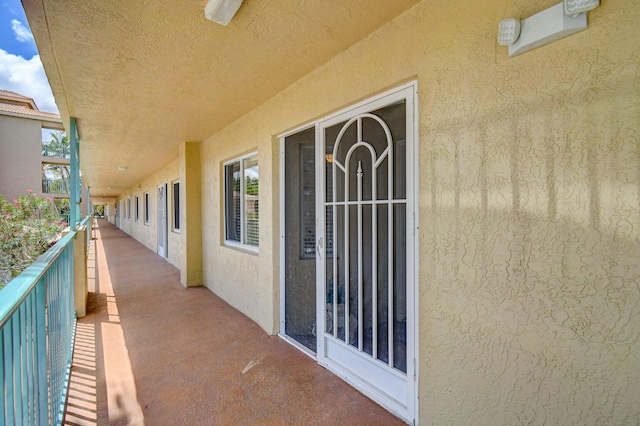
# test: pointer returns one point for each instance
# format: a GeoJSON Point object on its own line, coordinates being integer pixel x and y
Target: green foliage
{"type": "Point", "coordinates": [62, 205]}
{"type": "Point", "coordinates": [99, 210]}
{"type": "Point", "coordinates": [28, 227]}
{"type": "Point", "coordinates": [58, 146]}
{"type": "Point", "coordinates": [252, 185]}
{"type": "Point", "coordinates": [56, 178]}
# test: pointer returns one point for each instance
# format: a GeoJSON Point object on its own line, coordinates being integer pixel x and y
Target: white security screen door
{"type": "Point", "coordinates": [366, 268]}
{"type": "Point", "coordinates": [162, 220]}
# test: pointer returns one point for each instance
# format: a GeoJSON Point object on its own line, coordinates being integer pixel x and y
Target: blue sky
{"type": "Point", "coordinates": [21, 70]}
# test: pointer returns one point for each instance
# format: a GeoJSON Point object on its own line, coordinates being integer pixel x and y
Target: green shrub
{"type": "Point", "coordinates": [28, 227]}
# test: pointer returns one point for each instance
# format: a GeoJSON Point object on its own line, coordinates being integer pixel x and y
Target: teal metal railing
{"type": "Point", "coordinates": [37, 327]}
{"type": "Point", "coordinates": [65, 217]}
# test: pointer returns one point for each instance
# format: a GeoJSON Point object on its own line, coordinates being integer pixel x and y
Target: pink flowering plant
{"type": "Point", "coordinates": [28, 227]}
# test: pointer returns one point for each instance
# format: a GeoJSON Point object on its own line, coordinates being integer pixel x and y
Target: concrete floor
{"type": "Point", "coordinates": [152, 352]}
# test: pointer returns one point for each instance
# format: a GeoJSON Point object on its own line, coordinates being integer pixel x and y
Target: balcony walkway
{"type": "Point", "coordinates": [152, 352]}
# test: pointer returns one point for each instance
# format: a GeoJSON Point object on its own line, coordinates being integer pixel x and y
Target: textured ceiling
{"type": "Point", "coordinates": [142, 77]}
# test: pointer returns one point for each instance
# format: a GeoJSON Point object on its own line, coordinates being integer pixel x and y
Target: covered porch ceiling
{"type": "Point", "coordinates": [142, 77]}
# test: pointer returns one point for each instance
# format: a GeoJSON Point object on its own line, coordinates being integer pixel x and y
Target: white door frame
{"type": "Point", "coordinates": [162, 219]}
{"type": "Point", "coordinates": [410, 410]}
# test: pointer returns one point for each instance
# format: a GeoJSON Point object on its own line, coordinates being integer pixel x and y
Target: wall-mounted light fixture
{"type": "Point", "coordinates": [508, 32]}
{"type": "Point", "coordinates": [221, 11]}
{"type": "Point", "coordinates": [551, 24]}
{"type": "Point", "coordinates": [576, 7]}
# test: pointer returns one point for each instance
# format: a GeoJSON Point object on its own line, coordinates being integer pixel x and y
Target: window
{"type": "Point", "coordinates": [241, 201]}
{"type": "Point", "coordinates": [176, 206]}
{"type": "Point", "coordinates": [146, 208]}
{"type": "Point", "coordinates": [137, 208]}
{"type": "Point", "coordinates": [129, 208]}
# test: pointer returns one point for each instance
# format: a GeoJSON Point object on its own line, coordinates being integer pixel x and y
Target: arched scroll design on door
{"type": "Point", "coordinates": [353, 211]}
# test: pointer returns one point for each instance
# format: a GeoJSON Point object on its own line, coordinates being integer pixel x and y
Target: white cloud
{"type": "Point", "coordinates": [22, 33]}
{"type": "Point", "coordinates": [9, 7]}
{"type": "Point", "coordinates": [26, 77]}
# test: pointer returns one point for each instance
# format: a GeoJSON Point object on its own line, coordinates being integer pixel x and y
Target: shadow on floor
{"type": "Point", "coordinates": [152, 352]}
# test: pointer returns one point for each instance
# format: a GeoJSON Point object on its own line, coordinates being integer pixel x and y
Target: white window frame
{"type": "Point", "coordinates": [173, 206]}
{"type": "Point", "coordinates": [137, 215]}
{"type": "Point", "coordinates": [146, 202]}
{"type": "Point", "coordinates": [129, 208]}
{"type": "Point", "coordinates": [233, 243]}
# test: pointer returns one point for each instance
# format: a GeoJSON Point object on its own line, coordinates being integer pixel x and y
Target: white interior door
{"type": "Point", "coordinates": [162, 220]}
{"type": "Point", "coordinates": [366, 268]}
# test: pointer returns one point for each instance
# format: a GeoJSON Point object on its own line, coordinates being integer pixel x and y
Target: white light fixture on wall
{"type": "Point", "coordinates": [549, 25]}
{"type": "Point", "coordinates": [508, 32]}
{"type": "Point", "coordinates": [221, 11]}
{"type": "Point", "coordinates": [576, 7]}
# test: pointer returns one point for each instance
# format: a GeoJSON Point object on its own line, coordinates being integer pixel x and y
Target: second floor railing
{"type": "Point", "coordinates": [55, 151]}
{"type": "Point", "coordinates": [65, 216]}
{"type": "Point", "coordinates": [37, 326]}
{"type": "Point", "coordinates": [55, 186]}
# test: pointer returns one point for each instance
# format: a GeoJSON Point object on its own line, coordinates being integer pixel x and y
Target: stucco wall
{"type": "Point", "coordinates": [20, 156]}
{"type": "Point", "coordinates": [244, 279]}
{"type": "Point", "coordinates": [529, 209]}
{"type": "Point", "coordinates": [147, 234]}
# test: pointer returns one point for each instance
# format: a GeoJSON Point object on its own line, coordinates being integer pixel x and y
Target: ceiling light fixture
{"type": "Point", "coordinates": [221, 11]}
{"type": "Point", "coordinates": [122, 168]}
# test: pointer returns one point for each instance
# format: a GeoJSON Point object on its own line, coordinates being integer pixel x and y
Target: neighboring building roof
{"type": "Point", "coordinates": [17, 104]}
{"type": "Point", "coordinates": [10, 94]}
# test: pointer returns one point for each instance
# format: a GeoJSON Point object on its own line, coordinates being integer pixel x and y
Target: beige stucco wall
{"type": "Point", "coordinates": [147, 234]}
{"type": "Point", "coordinates": [20, 156]}
{"type": "Point", "coordinates": [190, 214]}
{"type": "Point", "coordinates": [243, 278]}
{"type": "Point", "coordinates": [529, 209]}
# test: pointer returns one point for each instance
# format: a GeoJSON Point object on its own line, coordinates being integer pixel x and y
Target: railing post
{"type": "Point", "coordinates": [89, 205]}
{"type": "Point", "coordinates": [41, 352]}
{"type": "Point", "coordinates": [74, 163]}
{"type": "Point", "coordinates": [79, 255]}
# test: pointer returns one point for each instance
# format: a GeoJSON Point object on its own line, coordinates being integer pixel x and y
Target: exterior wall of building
{"type": "Point", "coordinates": [245, 279]}
{"type": "Point", "coordinates": [529, 208]}
{"type": "Point", "coordinates": [529, 218]}
{"type": "Point", "coordinates": [147, 234]}
{"type": "Point", "coordinates": [20, 156]}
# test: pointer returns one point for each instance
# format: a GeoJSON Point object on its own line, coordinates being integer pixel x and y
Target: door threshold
{"type": "Point", "coordinates": [298, 346]}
